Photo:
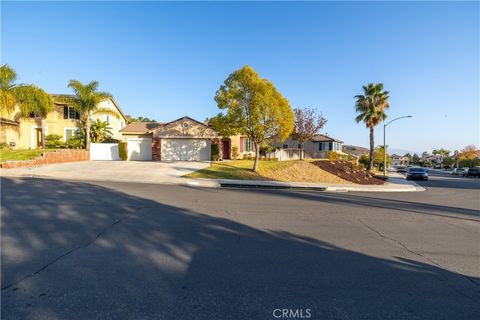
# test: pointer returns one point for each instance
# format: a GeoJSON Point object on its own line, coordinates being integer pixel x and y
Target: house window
{"type": "Point", "coordinates": [108, 119]}
{"type": "Point", "coordinates": [323, 146]}
{"type": "Point", "coordinates": [300, 146]}
{"type": "Point", "coordinates": [247, 145]}
{"type": "Point", "coordinates": [122, 124]}
{"type": "Point", "coordinates": [70, 113]}
{"type": "Point", "coordinates": [69, 132]}
{"type": "Point", "coordinates": [285, 146]}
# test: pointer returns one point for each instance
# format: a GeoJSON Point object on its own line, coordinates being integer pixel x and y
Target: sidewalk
{"type": "Point", "coordinates": [171, 173]}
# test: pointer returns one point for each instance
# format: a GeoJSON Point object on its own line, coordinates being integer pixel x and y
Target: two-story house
{"type": "Point", "coordinates": [26, 133]}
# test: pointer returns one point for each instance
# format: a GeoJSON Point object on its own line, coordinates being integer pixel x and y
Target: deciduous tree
{"type": "Point", "coordinates": [308, 123]}
{"type": "Point", "coordinates": [252, 106]}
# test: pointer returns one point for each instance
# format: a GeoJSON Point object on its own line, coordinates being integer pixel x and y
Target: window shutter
{"type": "Point", "coordinates": [241, 144]}
{"type": "Point", "coordinates": [65, 112]}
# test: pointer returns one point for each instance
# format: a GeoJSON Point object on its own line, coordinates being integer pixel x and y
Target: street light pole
{"type": "Point", "coordinates": [385, 144]}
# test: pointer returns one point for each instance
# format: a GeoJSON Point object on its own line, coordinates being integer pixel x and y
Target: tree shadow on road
{"type": "Point", "coordinates": [81, 251]}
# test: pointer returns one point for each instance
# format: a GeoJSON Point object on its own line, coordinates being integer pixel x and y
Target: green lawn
{"type": "Point", "coordinates": [239, 169]}
{"type": "Point", "coordinates": [20, 154]}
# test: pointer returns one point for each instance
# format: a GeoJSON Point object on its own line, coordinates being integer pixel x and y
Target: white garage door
{"type": "Point", "coordinates": [185, 149]}
{"type": "Point", "coordinates": [139, 149]}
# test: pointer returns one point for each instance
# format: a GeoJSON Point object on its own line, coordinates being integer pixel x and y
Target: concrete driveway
{"type": "Point", "coordinates": [122, 171]}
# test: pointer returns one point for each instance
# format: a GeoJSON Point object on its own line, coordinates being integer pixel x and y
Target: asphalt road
{"type": "Point", "coordinates": [74, 250]}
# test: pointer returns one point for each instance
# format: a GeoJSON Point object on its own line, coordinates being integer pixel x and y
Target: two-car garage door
{"type": "Point", "coordinates": [185, 149]}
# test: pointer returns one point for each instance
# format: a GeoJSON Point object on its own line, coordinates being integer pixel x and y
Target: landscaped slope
{"type": "Point", "coordinates": [348, 171]}
{"type": "Point", "coordinates": [291, 171]}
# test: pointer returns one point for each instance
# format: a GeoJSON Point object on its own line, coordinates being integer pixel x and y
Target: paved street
{"type": "Point", "coordinates": [114, 250]}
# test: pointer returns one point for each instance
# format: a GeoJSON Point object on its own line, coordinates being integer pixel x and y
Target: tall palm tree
{"type": "Point", "coordinates": [85, 101]}
{"type": "Point", "coordinates": [29, 98]}
{"type": "Point", "coordinates": [371, 108]}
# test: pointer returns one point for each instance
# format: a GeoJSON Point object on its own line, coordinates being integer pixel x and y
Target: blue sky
{"type": "Point", "coordinates": [164, 60]}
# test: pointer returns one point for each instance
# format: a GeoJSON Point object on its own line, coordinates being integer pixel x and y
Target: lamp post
{"type": "Point", "coordinates": [385, 144]}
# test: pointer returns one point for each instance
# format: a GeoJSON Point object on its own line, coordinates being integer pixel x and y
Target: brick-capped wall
{"type": "Point", "coordinates": [57, 156]}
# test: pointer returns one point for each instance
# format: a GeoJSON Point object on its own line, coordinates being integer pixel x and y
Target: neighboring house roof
{"type": "Point", "coordinates": [56, 95]}
{"type": "Point", "coordinates": [9, 121]}
{"type": "Point", "coordinates": [140, 127]}
{"type": "Point", "coordinates": [324, 138]}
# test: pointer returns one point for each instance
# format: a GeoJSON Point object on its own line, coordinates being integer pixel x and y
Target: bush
{"type": "Point", "coordinates": [3, 145]}
{"type": "Point", "coordinates": [123, 150]}
{"type": "Point", "coordinates": [235, 153]}
{"type": "Point", "coordinates": [53, 141]}
{"type": "Point", "coordinates": [469, 163]}
{"type": "Point", "coordinates": [333, 155]}
{"type": "Point", "coordinates": [215, 152]}
{"type": "Point", "coordinates": [75, 142]}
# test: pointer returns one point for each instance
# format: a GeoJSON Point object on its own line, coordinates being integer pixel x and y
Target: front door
{"type": "Point", "coordinates": [38, 137]}
{"type": "Point", "coordinates": [226, 149]}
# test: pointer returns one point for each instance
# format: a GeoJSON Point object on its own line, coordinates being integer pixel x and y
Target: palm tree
{"type": "Point", "coordinates": [85, 101]}
{"type": "Point", "coordinates": [29, 98]}
{"type": "Point", "coordinates": [371, 107]}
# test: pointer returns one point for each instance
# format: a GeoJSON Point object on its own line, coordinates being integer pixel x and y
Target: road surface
{"type": "Point", "coordinates": [76, 250]}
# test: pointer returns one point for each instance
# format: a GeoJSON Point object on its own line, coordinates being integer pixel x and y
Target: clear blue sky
{"type": "Point", "coordinates": [166, 60]}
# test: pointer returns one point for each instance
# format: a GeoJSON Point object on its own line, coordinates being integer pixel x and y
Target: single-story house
{"type": "Point", "coordinates": [183, 139]}
{"type": "Point", "coordinates": [317, 147]}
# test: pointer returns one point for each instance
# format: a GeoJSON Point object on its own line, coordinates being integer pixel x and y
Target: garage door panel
{"type": "Point", "coordinates": [140, 149]}
{"type": "Point", "coordinates": [185, 149]}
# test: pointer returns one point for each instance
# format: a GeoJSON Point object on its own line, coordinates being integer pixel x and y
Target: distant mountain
{"type": "Point", "coordinates": [354, 150]}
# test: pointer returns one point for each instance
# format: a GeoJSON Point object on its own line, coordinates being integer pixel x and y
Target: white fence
{"type": "Point", "coordinates": [287, 154]}
{"type": "Point", "coordinates": [296, 154]}
{"type": "Point", "coordinates": [104, 151]}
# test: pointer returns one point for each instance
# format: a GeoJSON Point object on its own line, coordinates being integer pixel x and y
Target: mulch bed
{"type": "Point", "coordinates": [349, 171]}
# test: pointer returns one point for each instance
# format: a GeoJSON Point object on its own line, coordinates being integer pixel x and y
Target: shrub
{"type": "Point", "coordinates": [123, 150]}
{"type": "Point", "coordinates": [215, 152]}
{"type": "Point", "coordinates": [470, 163]}
{"type": "Point", "coordinates": [235, 153]}
{"type": "Point", "coordinates": [53, 141]}
{"type": "Point", "coordinates": [3, 145]}
{"type": "Point", "coordinates": [333, 155]}
{"type": "Point", "coordinates": [75, 142]}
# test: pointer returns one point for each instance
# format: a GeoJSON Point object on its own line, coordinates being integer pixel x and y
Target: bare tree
{"type": "Point", "coordinates": [308, 123]}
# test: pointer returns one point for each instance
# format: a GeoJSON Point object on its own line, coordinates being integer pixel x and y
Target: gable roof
{"type": "Point", "coordinates": [182, 118]}
{"type": "Point", "coordinates": [324, 138]}
{"type": "Point", "coordinates": [57, 95]}
{"type": "Point", "coordinates": [140, 127]}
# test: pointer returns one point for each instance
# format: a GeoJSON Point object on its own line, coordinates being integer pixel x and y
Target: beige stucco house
{"type": "Point", "coordinates": [26, 133]}
{"type": "Point", "coordinates": [183, 139]}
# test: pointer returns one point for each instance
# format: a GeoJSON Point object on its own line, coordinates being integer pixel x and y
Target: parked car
{"type": "Point", "coordinates": [417, 173]}
{"type": "Point", "coordinates": [472, 172]}
{"type": "Point", "coordinates": [458, 171]}
{"type": "Point", "coordinates": [401, 169]}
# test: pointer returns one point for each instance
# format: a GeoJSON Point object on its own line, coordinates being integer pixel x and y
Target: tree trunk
{"type": "Point", "coordinates": [87, 133]}
{"type": "Point", "coordinates": [257, 157]}
{"type": "Point", "coordinates": [372, 147]}
{"type": "Point", "coordinates": [42, 124]}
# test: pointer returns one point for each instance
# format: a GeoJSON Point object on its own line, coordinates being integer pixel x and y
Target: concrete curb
{"type": "Point", "coordinates": [407, 186]}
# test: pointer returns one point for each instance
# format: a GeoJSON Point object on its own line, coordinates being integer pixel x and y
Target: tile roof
{"type": "Point", "coordinates": [322, 137]}
{"type": "Point", "coordinates": [143, 127]}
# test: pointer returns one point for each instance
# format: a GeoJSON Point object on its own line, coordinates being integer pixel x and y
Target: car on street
{"type": "Point", "coordinates": [458, 171]}
{"type": "Point", "coordinates": [417, 173]}
{"type": "Point", "coordinates": [472, 172]}
{"type": "Point", "coordinates": [401, 169]}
